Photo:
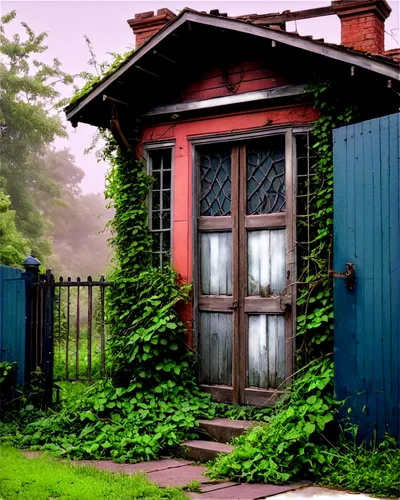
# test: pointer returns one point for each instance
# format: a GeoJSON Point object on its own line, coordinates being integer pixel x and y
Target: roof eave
{"type": "Point", "coordinates": [390, 70]}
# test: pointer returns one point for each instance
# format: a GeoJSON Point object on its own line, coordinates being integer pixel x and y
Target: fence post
{"type": "Point", "coordinates": [31, 275]}
{"type": "Point", "coordinates": [48, 341]}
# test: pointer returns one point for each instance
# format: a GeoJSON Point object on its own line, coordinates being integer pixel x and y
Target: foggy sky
{"type": "Point", "coordinates": [105, 24]}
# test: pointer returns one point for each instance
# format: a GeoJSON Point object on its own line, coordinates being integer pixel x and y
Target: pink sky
{"type": "Point", "coordinates": [105, 24]}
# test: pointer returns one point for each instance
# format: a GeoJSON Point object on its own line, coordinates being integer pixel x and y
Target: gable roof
{"type": "Point", "coordinates": [381, 65]}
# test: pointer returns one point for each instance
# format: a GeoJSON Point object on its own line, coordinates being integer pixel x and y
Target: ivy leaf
{"type": "Point", "coordinates": [309, 428]}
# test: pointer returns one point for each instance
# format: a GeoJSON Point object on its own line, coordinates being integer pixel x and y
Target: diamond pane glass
{"type": "Point", "coordinates": [266, 176]}
{"type": "Point", "coordinates": [215, 181]}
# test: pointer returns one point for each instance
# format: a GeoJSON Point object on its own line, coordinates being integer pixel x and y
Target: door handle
{"type": "Point", "coordinates": [234, 305]}
{"type": "Point", "coordinates": [349, 276]}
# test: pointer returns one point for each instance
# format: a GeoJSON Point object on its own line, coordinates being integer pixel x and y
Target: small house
{"type": "Point", "coordinates": [226, 119]}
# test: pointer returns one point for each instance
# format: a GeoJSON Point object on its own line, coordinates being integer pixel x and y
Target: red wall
{"type": "Point", "coordinates": [182, 131]}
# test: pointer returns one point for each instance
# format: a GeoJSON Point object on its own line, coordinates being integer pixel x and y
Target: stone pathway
{"type": "Point", "coordinates": [179, 473]}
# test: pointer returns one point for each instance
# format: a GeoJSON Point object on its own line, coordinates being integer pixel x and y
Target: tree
{"type": "Point", "coordinates": [29, 99]}
{"type": "Point", "coordinates": [13, 247]}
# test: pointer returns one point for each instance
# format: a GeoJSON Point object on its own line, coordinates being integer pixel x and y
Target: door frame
{"type": "Point", "coordinates": [254, 396]}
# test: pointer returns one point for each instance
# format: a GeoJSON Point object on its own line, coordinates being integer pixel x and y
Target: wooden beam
{"type": "Point", "coordinates": [288, 16]}
{"type": "Point", "coordinates": [259, 95]}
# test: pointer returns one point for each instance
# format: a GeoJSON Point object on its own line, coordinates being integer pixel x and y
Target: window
{"type": "Point", "coordinates": [160, 162]}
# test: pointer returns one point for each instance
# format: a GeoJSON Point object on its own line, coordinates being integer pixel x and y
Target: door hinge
{"type": "Point", "coordinates": [349, 276]}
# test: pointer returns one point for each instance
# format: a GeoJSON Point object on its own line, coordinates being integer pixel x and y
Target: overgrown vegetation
{"type": "Point", "coordinates": [152, 402]}
{"type": "Point", "coordinates": [43, 478]}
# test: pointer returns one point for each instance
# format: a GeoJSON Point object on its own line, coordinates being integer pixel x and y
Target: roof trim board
{"type": "Point", "coordinates": [385, 69]}
{"type": "Point", "coordinates": [259, 95]}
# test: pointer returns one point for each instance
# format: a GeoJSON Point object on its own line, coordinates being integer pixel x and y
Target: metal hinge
{"type": "Point", "coordinates": [349, 276]}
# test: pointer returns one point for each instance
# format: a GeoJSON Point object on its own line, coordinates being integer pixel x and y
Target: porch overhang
{"type": "Point", "coordinates": [157, 61]}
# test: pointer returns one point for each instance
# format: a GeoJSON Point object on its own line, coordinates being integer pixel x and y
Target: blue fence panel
{"type": "Point", "coordinates": [12, 318]}
{"type": "Point", "coordinates": [367, 233]}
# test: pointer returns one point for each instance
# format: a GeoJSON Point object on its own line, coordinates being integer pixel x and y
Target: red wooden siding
{"type": "Point", "coordinates": [237, 79]}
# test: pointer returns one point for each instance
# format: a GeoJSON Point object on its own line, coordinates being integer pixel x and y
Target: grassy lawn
{"type": "Point", "coordinates": [45, 479]}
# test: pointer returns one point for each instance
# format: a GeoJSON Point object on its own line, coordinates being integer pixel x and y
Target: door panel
{"type": "Point", "coordinates": [266, 359]}
{"type": "Point", "coordinates": [266, 262]}
{"type": "Point", "coordinates": [216, 348]}
{"type": "Point", "coordinates": [216, 263]}
{"type": "Point", "coordinates": [243, 326]}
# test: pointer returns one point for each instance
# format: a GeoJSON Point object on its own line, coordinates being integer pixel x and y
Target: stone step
{"type": "Point", "coordinates": [203, 451]}
{"type": "Point", "coordinates": [224, 430]}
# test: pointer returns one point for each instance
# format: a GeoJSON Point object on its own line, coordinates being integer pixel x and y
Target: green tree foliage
{"type": "Point", "coordinates": [49, 210]}
{"type": "Point", "coordinates": [13, 246]}
{"type": "Point", "coordinates": [29, 98]}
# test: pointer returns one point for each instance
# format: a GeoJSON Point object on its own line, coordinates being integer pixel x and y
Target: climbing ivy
{"type": "Point", "coordinates": [315, 300]}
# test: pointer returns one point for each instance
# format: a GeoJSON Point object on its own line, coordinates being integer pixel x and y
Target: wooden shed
{"type": "Point", "coordinates": [226, 114]}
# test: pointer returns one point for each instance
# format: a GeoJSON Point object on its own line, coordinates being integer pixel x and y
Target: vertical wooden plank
{"type": "Point", "coordinates": [242, 275]}
{"type": "Point", "coordinates": [341, 347]}
{"type": "Point", "coordinates": [204, 345]}
{"type": "Point", "coordinates": [253, 242]}
{"type": "Point", "coordinates": [223, 257]}
{"type": "Point", "coordinates": [265, 262]}
{"type": "Point", "coordinates": [367, 283]}
{"type": "Point", "coordinates": [394, 226]}
{"type": "Point", "coordinates": [358, 260]}
{"type": "Point", "coordinates": [281, 358]}
{"type": "Point", "coordinates": [214, 263]}
{"type": "Point", "coordinates": [272, 354]}
{"type": "Point", "coordinates": [278, 260]}
{"type": "Point", "coordinates": [228, 267]}
{"type": "Point", "coordinates": [222, 345]}
{"type": "Point", "coordinates": [379, 402]}
{"type": "Point", "coordinates": [386, 332]}
{"type": "Point", "coordinates": [253, 350]}
{"type": "Point", "coordinates": [263, 366]}
{"type": "Point", "coordinates": [214, 347]}
{"type": "Point", "coordinates": [229, 347]}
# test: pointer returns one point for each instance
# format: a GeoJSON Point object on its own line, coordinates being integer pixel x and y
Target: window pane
{"type": "Point", "coordinates": [157, 182]}
{"type": "Point", "coordinates": [166, 199]}
{"type": "Point", "coordinates": [166, 220]}
{"type": "Point", "coordinates": [156, 242]}
{"type": "Point", "coordinates": [266, 176]}
{"type": "Point", "coordinates": [155, 221]}
{"type": "Point", "coordinates": [215, 180]}
{"type": "Point", "coordinates": [167, 180]}
{"type": "Point", "coordinates": [155, 200]}
{"type": "Point", "coordinates": [166, 241]}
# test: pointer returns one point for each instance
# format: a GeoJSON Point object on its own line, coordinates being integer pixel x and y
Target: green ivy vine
{"type": "Point", "coordinates": [315, 297]}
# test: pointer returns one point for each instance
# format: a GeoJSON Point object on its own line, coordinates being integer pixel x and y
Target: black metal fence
{"type": "Point", "coordinates": [66, 332]}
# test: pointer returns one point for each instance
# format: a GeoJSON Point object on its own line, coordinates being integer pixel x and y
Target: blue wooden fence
{"type": "Point", "coordinates": [366, 233]}
{"type": "Point", "coordinates": [12, 318]}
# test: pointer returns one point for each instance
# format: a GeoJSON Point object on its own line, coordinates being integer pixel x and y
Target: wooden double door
{"type": "Point", "coordinates": [245, 263]}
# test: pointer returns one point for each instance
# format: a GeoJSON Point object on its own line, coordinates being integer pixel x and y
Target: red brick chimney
{"type": "Point", "coordinates": [363, 23]}
{"type": "Point", "coordinates": [146, 24]}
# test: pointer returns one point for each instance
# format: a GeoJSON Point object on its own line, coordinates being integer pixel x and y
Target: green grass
{"type": "Point", "coordinates": [45, 479]}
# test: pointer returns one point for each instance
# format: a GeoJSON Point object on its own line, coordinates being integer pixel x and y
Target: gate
{"type": "Point", "coordinates": [65, 329]}
{"type": "Point", "coordinates": [366, 234]}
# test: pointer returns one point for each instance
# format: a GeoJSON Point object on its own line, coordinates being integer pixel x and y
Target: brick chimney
{"type": "Point", "coordinates": [363, 23]}
{"type": "Point", "coordinates": [146, 24]}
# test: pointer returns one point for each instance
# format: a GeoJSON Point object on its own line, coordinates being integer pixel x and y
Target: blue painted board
{"type": "Point", "coordinates": [12, 318]}
{"type": "Point", "coordinates": [367, 233]}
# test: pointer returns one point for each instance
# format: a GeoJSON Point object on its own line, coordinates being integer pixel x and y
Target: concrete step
{"type": "Point", "coordinates": [203, 451]}
{"type": "Point", "coordinates": [224, 430]}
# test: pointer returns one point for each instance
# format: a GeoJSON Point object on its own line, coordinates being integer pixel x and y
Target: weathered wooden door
{"type": "Point", "coordinates": [366, 234]}
{"type": "Point", "coordinates": [244, 329]}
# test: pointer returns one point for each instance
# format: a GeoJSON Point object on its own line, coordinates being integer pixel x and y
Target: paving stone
{"type": "Point", "coordinates": [154, 466]}
{"type": "Point", "coordinates": [33, 454]}
{"type": "Point", "coordinates": [179, 476]}
{"type": "Point", "coordinates": [205, 488]}
{"type": "Point", "coordinates": [246, 492]}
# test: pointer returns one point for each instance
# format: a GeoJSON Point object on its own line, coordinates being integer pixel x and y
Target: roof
{"type": "Point", "coordinates": [380, 64]}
